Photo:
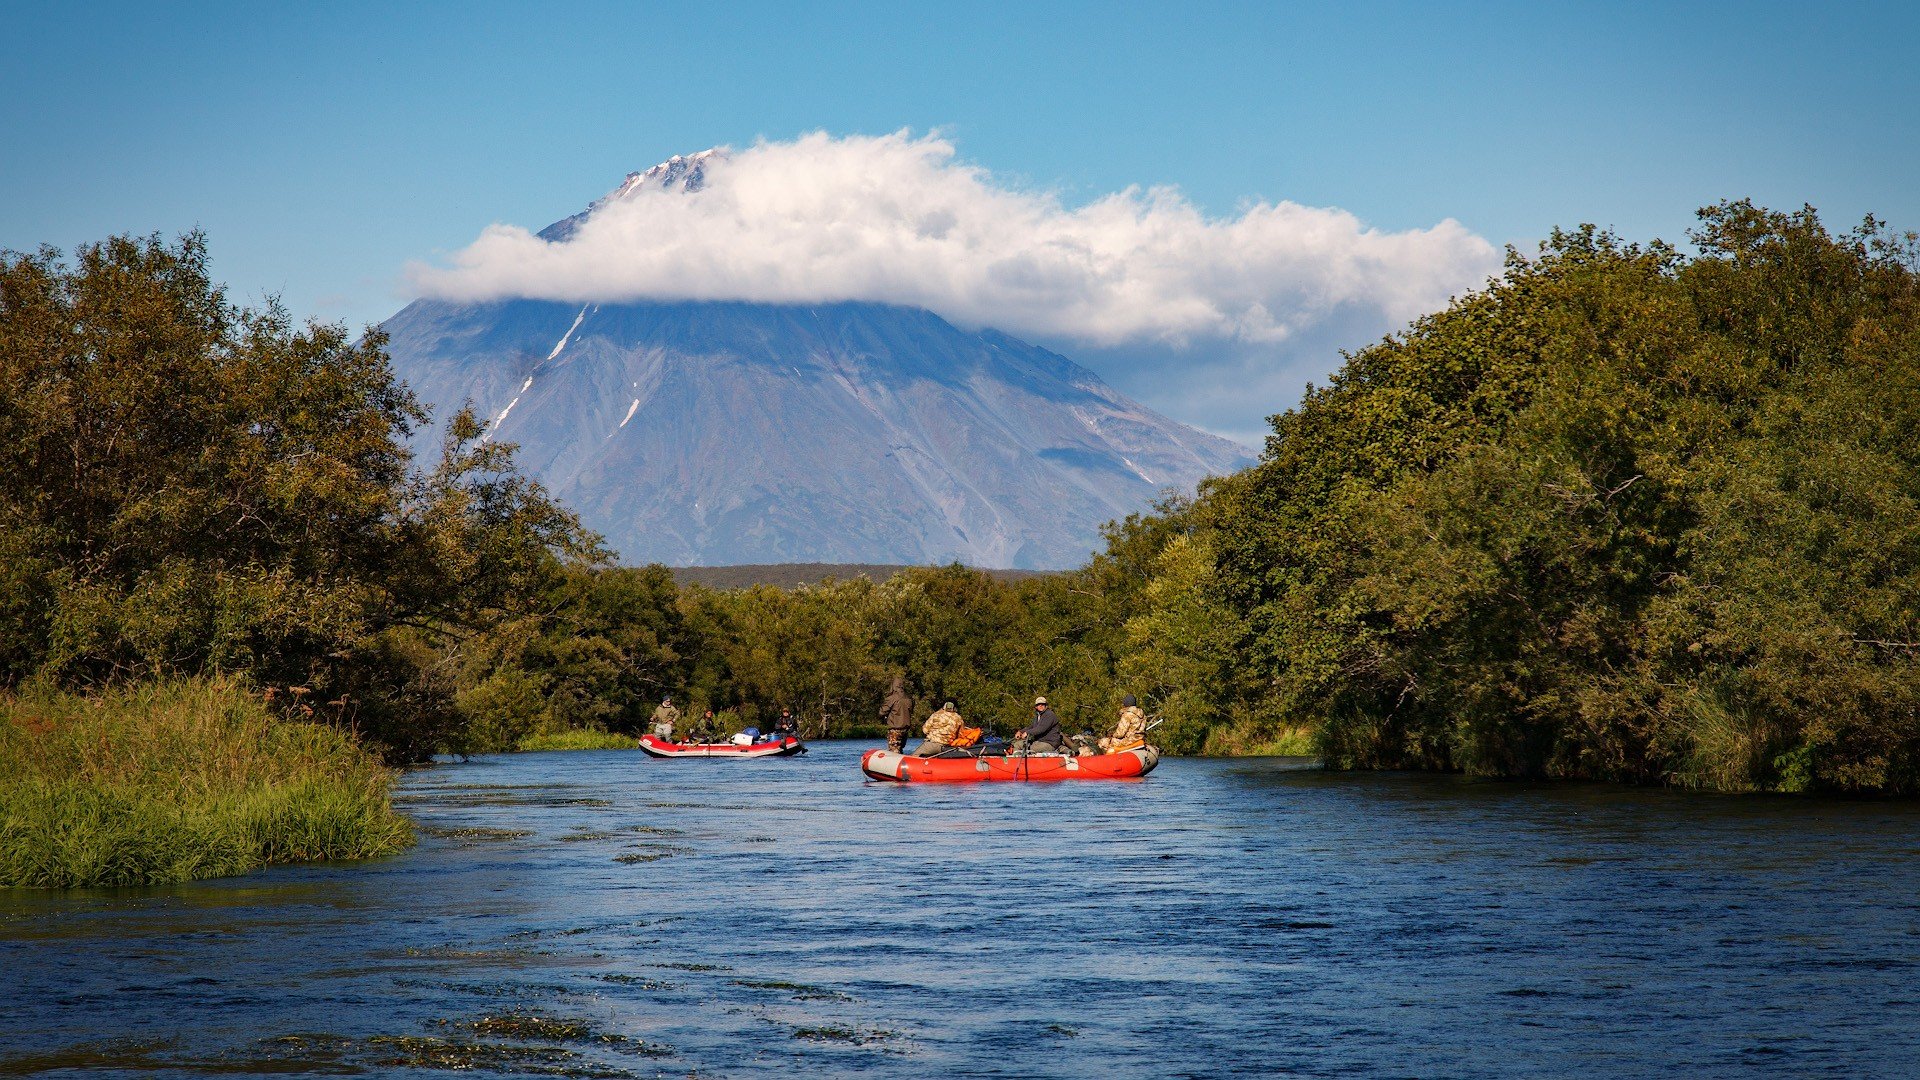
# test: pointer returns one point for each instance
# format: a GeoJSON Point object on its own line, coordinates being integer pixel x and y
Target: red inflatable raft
{"type": "Point", "coordinates": [656, 746]}
{"type": "Point", "coordinates": [886, 765]}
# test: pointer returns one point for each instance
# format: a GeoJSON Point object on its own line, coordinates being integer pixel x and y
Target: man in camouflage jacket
{"type": "Point", "coordinates": [940, 729]}
{"type": "Point", "coordinates": [1132, 727]}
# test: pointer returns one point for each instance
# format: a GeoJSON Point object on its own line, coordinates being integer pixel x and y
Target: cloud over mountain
{"type": "Point", "coordinates": [899, 219]}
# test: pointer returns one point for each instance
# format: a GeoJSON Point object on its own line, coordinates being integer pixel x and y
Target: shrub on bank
{"type": "Point", "coordinates": [174, 781]}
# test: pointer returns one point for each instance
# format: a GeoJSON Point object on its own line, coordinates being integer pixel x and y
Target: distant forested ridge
{"type": "Point", "coordinates": [1628, 513]}
{"type": "Point", "coordinates": [794, 575]}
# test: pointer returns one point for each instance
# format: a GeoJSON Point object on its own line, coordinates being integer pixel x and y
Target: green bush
{"type": "Point", "coordinates": [500, 711]}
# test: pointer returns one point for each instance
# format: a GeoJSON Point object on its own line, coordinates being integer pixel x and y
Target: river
{"type": "Point", "coordinates": [603, 914]}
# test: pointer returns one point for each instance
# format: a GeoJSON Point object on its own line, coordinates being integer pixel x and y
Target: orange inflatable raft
{"type": "Point", "coordinates": [1119, 765]}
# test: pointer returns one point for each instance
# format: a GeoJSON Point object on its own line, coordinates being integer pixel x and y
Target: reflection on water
{"type": "Point", "coordinates": [602, 914]}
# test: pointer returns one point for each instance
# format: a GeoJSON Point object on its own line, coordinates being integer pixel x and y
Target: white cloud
{"type": "Point", "coordinates": [898, 219]}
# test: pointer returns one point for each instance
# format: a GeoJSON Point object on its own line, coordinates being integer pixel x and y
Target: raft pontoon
{"type": "Point", "coordinates": [1118, 765]}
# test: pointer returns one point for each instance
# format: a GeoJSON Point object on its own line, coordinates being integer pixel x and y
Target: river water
{"type": "Point", "coordinates": [603, 914]}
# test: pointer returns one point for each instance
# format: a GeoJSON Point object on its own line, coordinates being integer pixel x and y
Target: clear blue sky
{"type": "Point", "coordinates": [321, 150]}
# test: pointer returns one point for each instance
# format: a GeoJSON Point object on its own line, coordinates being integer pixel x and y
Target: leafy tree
{"type": "Point", "coordinates": [1625, 514]}
{"type": "Point", "coordinates": [188, 487]}
{"type": "Point", "coordinates": [1180, 646]}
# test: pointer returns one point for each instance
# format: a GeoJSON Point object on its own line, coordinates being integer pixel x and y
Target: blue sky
{"type": "Point", "coordinates": [323, 150]}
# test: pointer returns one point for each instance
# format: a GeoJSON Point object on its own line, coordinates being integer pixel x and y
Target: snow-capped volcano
{"type": "Point", "coordinates": [715, 432]}
{"type": "Point", "coordinates": [683, 173]}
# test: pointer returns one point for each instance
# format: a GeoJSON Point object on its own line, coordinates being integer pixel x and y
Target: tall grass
{"type": "Point", "coordinates": [1258, 740]}
{"type": "Point", "coordinates": [174, 781]}
{"type": "Point", "coordinates": [577, 739]}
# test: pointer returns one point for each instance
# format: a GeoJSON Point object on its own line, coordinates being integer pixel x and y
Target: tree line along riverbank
{"type": "Point", "coordinates": [1630, 512]}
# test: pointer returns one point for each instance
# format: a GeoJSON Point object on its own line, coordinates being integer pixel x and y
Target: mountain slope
{"type": "Point", "coordinates": [712, 433]}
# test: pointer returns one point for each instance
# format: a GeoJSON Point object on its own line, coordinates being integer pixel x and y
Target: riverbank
{"type": "Point", "coordinates": [1237, 742]}
{"type": "Point", "coordinates": [172, 782]}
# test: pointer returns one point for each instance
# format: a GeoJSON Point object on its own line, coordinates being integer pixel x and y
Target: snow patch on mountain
{"type": "Point", "coordinates": [680, 172]}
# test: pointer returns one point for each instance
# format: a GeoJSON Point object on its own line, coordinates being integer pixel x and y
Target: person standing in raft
{"type": "Point", "coordinates": [1042, 735]}
{"type": "Point", "coordinates": [1132, 727]}
{"type": "Point", "coordinates": [897, 711]}
{"type": "Point", "coordinates": [940, 730]}
{"type": "Point", "coordinates": [664, 717]}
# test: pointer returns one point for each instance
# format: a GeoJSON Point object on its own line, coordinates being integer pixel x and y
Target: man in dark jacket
{"type": "Point", "coordinates": [1043, 733]}
{"type": "Point", "coordinates": [897, 711]}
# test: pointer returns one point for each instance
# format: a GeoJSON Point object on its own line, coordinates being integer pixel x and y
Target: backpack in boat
{"type": "Point", "coordinates": [966, 736]}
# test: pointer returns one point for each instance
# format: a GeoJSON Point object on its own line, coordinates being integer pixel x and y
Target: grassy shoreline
{"type": "Point", "coordinates": [575, 739]}
{"type": "Point", "coordinates": [1257, 741]}
{"type": "Point", "coordinates": [170, 782]}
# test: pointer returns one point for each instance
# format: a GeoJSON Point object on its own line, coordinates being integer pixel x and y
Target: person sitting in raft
{"type": "Point", "coordinates": [664, 717]}
{"type": "Point", "coordinates": [785, 725]}
{"type": "Point", "coordinates": [940, 730]}
{"type": "Point", "coordinates": [1132, 727]}
{"type": "Point", "coordinates": [1042, 734]}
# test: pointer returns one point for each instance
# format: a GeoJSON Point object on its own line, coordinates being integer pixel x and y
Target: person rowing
{"type": "Point", "coordinates": [1042, 733]}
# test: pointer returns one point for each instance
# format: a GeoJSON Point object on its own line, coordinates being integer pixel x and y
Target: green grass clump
{"type": "Point", "coordinates": [577, 739]}
{"type": "Point", "coordinates": [175, 781]}
{"type": "Point", "coordinates": [1259, 740]}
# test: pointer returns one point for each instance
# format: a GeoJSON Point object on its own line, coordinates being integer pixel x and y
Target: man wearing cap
{"type": "Point", "coordinates": [940, 729]}
{"type": "Point", "coordinates": [1132, 727]}
{"type": "Point", "coordinates": [1043, 733]}
{"type": "Point", "coordinates": [664, 717]}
